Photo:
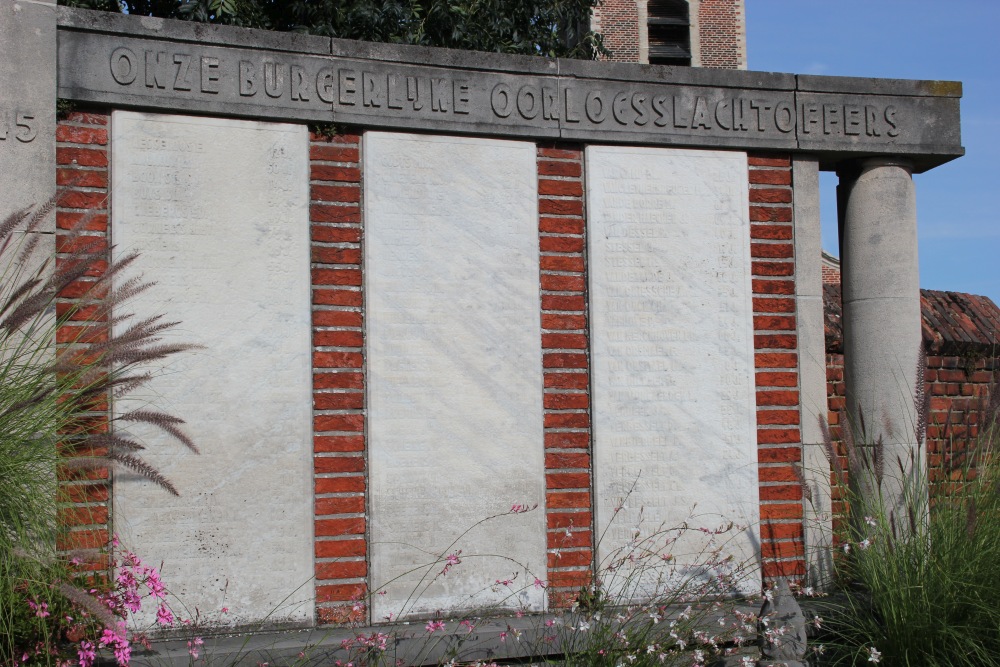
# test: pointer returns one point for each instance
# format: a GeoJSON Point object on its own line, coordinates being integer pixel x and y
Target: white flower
{"type": "Point", "coordinates": [583, 627]}
{"type": "Point", "coordinates": [808, 591]}
{"type": "Point", "coordinates": [746, 661]}
{"type": "Point", "coordinates": [864, 544]}
{"type": "Point", "coordinates": [870, 521]}
{"type": "Point", "coordinates": [873, 654]}
{"type": "Point", "coordinates": [847, 548]}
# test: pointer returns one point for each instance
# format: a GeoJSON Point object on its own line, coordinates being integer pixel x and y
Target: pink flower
{"type": "Point", "coordinates": [451, 560]}
{"type": "Point", "coordinates": [503, 636]}
{"type": "Point", "coordinates": [539, 583]}
{"type": "Point", "coordinates": [117, 639]}
{"type": "Point", "coordinates": [193, 647]}
{"type": "Point", "coordinates": [434, 626]}
{"type": "Point", "coordinates": [225, 610]}
{"type": "Point", "coordinates": [86, 653]}
{"type": "Point", "coordinates": [155, 586]}
{"type": "Point", "coordinates": [41, 609]}
{"type": "Point", "coordinates": [163, 615]}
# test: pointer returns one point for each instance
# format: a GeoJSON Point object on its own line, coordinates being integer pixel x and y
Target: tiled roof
{"type": "Point", "coordinates": [953, 323]}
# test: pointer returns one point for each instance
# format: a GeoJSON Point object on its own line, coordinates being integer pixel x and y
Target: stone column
{"type": "Point", "coordinates": [882, 326]}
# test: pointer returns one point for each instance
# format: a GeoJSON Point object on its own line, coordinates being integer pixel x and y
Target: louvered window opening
{"type": "Point", "coordinates": [669, 25]}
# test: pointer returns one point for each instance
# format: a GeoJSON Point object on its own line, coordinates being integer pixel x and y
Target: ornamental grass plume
{"type": "Point", "coordinates": [62, 364]}
{"type": "Point", "coordinates": [918, 583]}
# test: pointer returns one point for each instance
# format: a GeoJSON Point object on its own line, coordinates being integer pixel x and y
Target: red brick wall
{"type": "Point", "coordinates": [779, 440]}
{"type": "Point", "coordinates": [955, 386]}
{"type": "Point", "coordinates": [338, 378]}
{"type": "Point", "coordinates": [566, 368]}
{"type": "Point", "coordinates": [721, 29]}
{"type": "Point", "coordinates": [82, 180]}
{"type": "Point", "coordinates": [721, 26]}
{"type": "Point", "coordinates": [618, 23]}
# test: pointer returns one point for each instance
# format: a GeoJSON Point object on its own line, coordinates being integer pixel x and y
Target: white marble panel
{"type": "Point", "coordinates": [219, 210]}
{"type": "Point", "coordinates": [454, 372]}
{"type": "Point", "coordinates": [672, 344]}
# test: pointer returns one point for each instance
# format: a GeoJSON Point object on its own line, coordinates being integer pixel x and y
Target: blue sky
{"type": "Point", "coordinates": [957, 204]}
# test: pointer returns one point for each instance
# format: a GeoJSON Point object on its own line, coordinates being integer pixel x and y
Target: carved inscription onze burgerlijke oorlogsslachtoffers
{"type": "Point", "coordinates": [418, 91]}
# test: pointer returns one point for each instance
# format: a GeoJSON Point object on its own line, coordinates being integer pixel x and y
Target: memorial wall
{"type": "Point", "coordinates": [484, 324]}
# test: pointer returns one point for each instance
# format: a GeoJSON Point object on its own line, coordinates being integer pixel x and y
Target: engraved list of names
{"type": "Point", "coordinates": [454, 373]}
{"type": "Point", "coordinates": [219, 210]}
{"type": "Point", "coordinates": [674, 422]}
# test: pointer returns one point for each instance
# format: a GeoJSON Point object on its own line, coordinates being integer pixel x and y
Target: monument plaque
{"type": "Point", "coordinates": [674, 422]}
{"type": "Point", "coordinates": [219, 210]}
{"type": "Point", "coordinates": [454, 373]}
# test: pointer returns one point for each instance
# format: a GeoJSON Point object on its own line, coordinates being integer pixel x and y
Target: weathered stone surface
{"type": "Point", "coordinates": [817, 508]}
{"type": "Point", "coordinates": [163, 64]}
{"type": "Point", "coordinates": [781, 629]}
{"type": "Point", "coordinates": [27, 106]}
{"type": "Point", "coordinates": [219, 211]}
{"type": "Point", "coordinates": [673, 388]}
{"type": "Point", "coordinates": [454, 372]}
{"type": "Point", "coordinates": [882, 324]}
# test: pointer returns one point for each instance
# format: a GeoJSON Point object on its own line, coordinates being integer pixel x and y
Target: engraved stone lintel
{"type": "Point", "coordinates": [259, 74]}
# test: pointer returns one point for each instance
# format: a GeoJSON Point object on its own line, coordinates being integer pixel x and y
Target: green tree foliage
{"type": "Point", "coordinates": [531, 27]}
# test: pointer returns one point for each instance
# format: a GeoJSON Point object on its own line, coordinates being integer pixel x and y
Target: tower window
{"type": "Point", "coordinates": [669, 25]}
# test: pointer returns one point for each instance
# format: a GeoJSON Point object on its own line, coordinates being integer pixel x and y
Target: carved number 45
{"type": "Point", "coordinates": [25, 127]}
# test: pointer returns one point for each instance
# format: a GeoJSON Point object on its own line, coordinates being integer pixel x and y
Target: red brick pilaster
{"type": "Point", "coordinates": [566, 362]}
{"type": "Point", "coordinates": [82, 179]}
{"type": "Point", "coordinates": [779, 439]}
{"type": "Point", "coordinates": [338, 378]}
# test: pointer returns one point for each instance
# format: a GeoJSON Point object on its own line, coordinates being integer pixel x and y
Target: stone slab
{"type": "Point", "coordinates": [809, 320]}
{"type": "Point", "coordinates": [454, 373]}
{"type": "Point", "coordinates": [672, 358]}
{"type": "Point", "coordinates": [27, 106]}
{"type": "Point", "coordinates": [219, 211]}
{"type": "Point", "coordinates": [248, 73]}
